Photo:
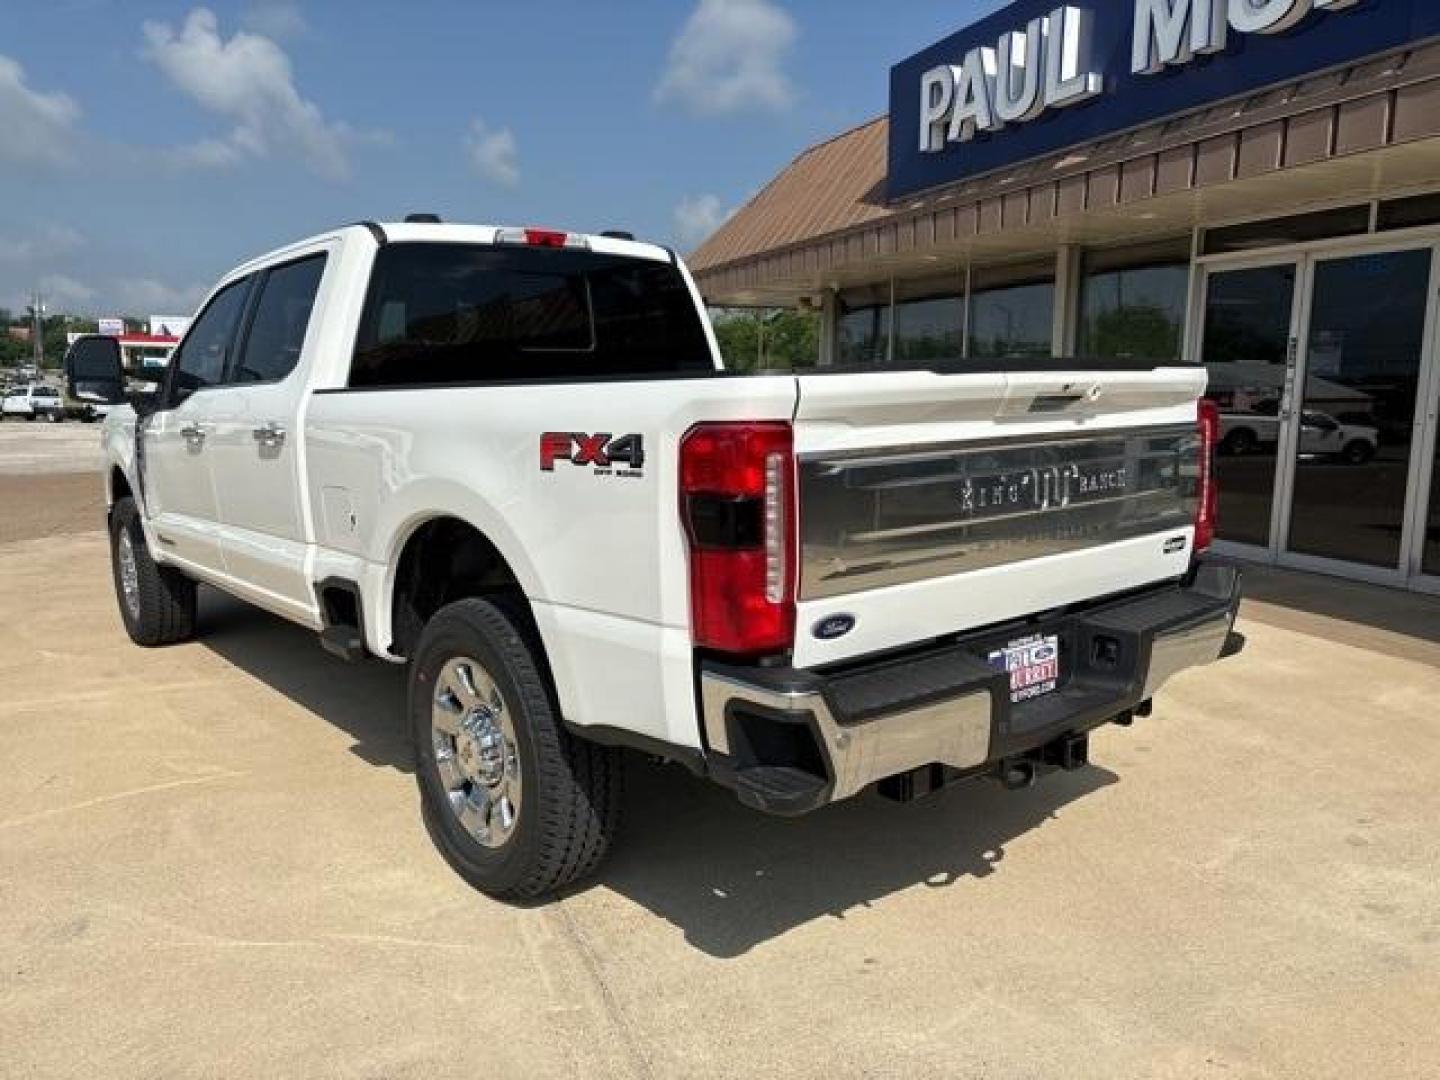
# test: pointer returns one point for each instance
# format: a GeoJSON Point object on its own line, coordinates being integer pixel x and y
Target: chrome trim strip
{"type": "Point", "coordinates": [875, 519]}
{"type": "Point", "coordinates": [953, 732]}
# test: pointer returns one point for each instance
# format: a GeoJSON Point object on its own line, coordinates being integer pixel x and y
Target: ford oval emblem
{"type": "Point", "coordinates": [833, 626]}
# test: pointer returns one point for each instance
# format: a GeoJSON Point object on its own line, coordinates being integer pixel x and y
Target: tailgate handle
{"type": "Point", "coordinates": [1048, 403]}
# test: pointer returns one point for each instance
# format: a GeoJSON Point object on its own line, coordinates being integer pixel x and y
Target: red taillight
{"type": "Point", "coordinates": [545, 238]}
{"type": "Point", "coordinates": [737, 500]}
{"type": "Point", "coordinates": [1208, 495]}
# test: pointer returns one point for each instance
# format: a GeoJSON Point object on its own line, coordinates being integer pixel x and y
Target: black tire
{"type": "Point", "coordinates": [1357, 452]}
{"type": "Point", "coordinates": [572, 789]}
{"type": "Point", "coordinates": [1239, 442]}
{"type": "Point", "coordinates": [164, 608]}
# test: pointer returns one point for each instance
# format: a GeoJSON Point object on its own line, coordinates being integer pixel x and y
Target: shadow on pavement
{"type": "Point", "coordinates": [366, 700]}
{"type": "Point", "coordinates": [732, 878]}
{"type": "Point", "coordinates": [729, 877]}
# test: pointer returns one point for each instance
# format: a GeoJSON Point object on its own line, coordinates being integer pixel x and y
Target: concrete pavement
{"type": "Point", "coordinates": [212, 863]}
{"type": "Point", "coordinates": [34, 447]}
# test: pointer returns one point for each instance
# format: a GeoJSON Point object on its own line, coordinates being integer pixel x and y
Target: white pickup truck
{"type": "Point", "coordinates": [511, 459]}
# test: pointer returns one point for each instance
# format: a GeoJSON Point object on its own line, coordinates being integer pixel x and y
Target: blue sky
{"type": "Point", "coordinates": [145, 148]}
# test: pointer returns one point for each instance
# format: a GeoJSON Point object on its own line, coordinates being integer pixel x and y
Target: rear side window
{"type": "Point", "coordinates": [467, 313]}
{"type": "Point", "coordinates": [282, 314]}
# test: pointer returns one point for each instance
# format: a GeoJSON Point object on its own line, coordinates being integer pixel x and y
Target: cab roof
{"type": "Point", "coordinates": [454, 232]}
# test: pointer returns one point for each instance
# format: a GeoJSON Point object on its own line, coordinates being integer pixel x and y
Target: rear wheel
{"type": "Point", "coordinates": [157, 603]}
{"type": "Point", "coordinates": [1358, 452]}
{"type": "Point", "coordinates": [517, 805]}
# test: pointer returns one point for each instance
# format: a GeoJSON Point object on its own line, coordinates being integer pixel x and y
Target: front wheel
{"type": "Point", "coordinates": [517, 805]}
{"type": "Point", "coordinates": [157, 603]}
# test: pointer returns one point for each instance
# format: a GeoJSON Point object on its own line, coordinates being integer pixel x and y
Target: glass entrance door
{"type": "Point", "coordinates": [1350, 430]}
{"type": "Point", "coordinates": [1248, 350]}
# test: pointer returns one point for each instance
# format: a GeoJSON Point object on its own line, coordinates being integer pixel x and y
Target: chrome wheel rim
{"type": "Point", "coordinates": [129, 575]}
{"type": "Point", "coordinates": [476, 753]}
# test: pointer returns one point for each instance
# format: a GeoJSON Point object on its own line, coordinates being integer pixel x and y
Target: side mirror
{"type": "Point", "coordinates": [94, 371]}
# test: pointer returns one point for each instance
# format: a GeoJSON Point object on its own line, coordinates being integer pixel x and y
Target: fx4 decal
{"type": "Point", "coordinates": [600, 452]}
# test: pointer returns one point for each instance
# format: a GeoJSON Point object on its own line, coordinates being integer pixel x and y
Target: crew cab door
{"type": "Point", "coordinates": [175, 439]}
{"type": "Point", "coordinates": [256, 454]}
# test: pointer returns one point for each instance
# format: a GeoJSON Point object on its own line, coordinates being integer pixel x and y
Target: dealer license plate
{"type": "Point", "coordinates": [1033, 663]}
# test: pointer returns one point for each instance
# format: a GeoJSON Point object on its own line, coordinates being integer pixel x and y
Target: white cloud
{"type": "Point", "coordinates": [63, 293]}
{"type": "Point", "coordinates": [35, 128]}
{"type": "Point", "coordinates": [249, 81]}
{"type": "Point", "coordinates": [729, 57]}
{"type": "Point", "coordinates": [146, 296]}
{"type": "Point", "coordinates": [492, 153]}
{"type": "Point", "coordinates": [278, 20]}
{"type": "Point", "coordinates": [43, 245]}
{"type": "Point", "coordinates": [696, 217]}
{"type": "Point", "coordinates": [66, 294]}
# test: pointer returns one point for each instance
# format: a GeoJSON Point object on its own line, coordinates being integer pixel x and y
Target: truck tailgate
{"type": "Point", "coordinates": [932, 504]}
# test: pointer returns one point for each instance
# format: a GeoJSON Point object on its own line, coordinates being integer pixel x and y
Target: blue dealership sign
{"type": "Point", "coordinates": [1043, 75]}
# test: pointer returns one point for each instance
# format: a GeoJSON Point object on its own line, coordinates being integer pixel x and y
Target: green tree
{"type": "Point", "coordinates": [767, 339]}
{"type": "Point", "coordinates": [1139, 330]}
{"type": "Point", "coordinates": [13, 351]}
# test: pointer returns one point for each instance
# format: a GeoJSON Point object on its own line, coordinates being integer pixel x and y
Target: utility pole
{"type": "Point", "coordinates": [37, 331]}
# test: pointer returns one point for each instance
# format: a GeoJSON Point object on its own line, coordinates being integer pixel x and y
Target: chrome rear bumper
{"type": "Point", "coordinates": [791, 740]}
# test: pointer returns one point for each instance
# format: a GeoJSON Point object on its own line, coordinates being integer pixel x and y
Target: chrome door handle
{"type": "Point", "coordinates": [193, 433]}
{"type": "Point", "coordinates": [269, 434]}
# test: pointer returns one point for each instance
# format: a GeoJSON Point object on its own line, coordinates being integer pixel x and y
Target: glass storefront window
{"type": "Point", "coordinates": [1277, 232]}
{"type": "Point", "coordinates": [862, 335]}
{"type": "Point", "coordinates": [1017, 320]}
{"type": "Point", "coordinates": [1136, 311]}
{"type": "Point", "coordinates": [928, 330]}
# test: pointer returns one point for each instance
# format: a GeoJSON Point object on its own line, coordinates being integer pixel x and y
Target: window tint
{"type": "Point", "coordinates": [282, 314]}
{"type": "Point", "coordinates": [1322, 225]}
{"type": "Point", "coordinates": [1138, 312]}
{"type": "Point", "coordinates": [1016, 321]}
{"type": "Point", "coordinates": [862, 334]}
{"type": "Point", "coordinates": [930, 330]}
{"type": "Point", "coordinates": [201, 359]}
{"type": "Point", "coordinates": [448, 313]}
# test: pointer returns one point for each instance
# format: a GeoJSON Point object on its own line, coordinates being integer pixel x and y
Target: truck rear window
{"type": "Point", "coordinates": [469, 313]}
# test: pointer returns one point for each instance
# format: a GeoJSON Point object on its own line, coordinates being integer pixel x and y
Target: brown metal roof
{"type": "Point", "coordinates": [826, 213]}
{"type": "Point", "coordinates": [835, 185]}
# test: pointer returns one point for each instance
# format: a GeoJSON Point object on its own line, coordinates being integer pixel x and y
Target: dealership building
{"type": "Point", "coordinates": [1252, 185]}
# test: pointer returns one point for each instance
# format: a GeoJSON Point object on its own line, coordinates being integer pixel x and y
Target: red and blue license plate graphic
{"type": "Point", "coordinates": [1033, 664]}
